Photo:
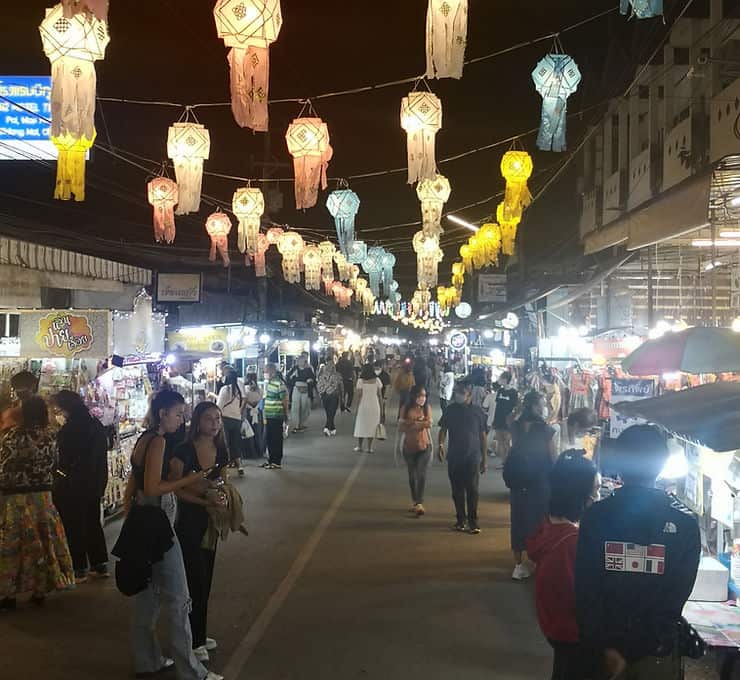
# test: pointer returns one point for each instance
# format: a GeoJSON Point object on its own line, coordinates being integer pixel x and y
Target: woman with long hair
{"type": "Point", "coordinates": [149, 486]}
{"type": "Point", "coordinates": [232, 404]}
{"type": "Point", "coordinates": [205, 452]}
{"type": "Point", "coordinates": [369, 409]}
{"type": "Point", "coordinates": [34, 557]}
{"type": "Point", "coordinates": [80, 484]}
{"type": "Point", "coordinates": [416, 423]}
{"type": "Point", "coordinates": [330, 388]}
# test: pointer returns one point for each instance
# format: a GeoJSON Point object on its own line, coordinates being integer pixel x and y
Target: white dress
{"type": "Point", "coordinates": [368, 412]}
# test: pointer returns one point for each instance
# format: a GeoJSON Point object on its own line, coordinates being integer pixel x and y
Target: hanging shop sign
{"type": "Point", "coordinates": [199, 340]}
{"type": "Point", "coordinates": [628, 390]}
{"type": "Point", "coordinates": [458, 341]}
{"type": "Point", "coordinates": [180, 288]}
{"type": "Point", "coordinates": [139, 333]}
{"type": "Point", "coordinates": [616, 344]}
{"type": "Point", "coordinates": [492, 288]}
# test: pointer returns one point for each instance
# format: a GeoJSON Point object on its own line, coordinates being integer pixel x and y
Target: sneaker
{"type": "Point", "coordinates": [459, 526]}
{"type": "Point", "coordinates": [412, 509]}
{"type": "Point", "coordinates": [521, 572]}
{"type": "Point", "coordinates": [333, 433]}
{"type": "Point", "coordinates": [371, 450]}
{"type": "Point", "coordinates": [420, 510]}
{"type": "Point", "coordinates": [266, 466]}
{"type": "Point", "coordinates": [201, 653]}
{"type": "Point", "coordinates": [327, 432]}
{"type": "Point", "coordinates": [357, 449]}
{"type": "Point", "coordinates": [276, 466]}
{"type": "Point", "coordinates": [211, 644]}
{"type": "Point", "coordinates": [474, 528]}
{"type": "Point", "coordinates": [213, 676]}
{"type": "Point", "coordinates": [80, 577]}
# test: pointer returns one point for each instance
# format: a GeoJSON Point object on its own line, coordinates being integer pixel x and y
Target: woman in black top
{"type": "Point", "coordinates": [204, 451]}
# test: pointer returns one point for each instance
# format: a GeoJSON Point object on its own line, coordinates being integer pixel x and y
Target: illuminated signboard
{"type": "Point", "coordinates": [24, 132]}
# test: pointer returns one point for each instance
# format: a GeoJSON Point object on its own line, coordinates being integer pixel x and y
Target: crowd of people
{"type": "Point", "coordinates": [611, 577]}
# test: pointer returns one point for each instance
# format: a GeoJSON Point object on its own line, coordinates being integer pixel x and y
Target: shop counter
{"type": "Point", "coordinates": [718, 624]}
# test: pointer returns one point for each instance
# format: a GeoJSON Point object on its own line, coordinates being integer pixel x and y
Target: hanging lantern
{"type": "Point", "coordinates": [447, 34]}
{"type": "Point", "coordinates": [72, 42]}
{"type": "Point", "coordinates": [354, 274]}
{"type": "Point", "coordinates": [343, 295]}
{"type": "Point", "coordinates": [508, 231]}
{"type": "Point", "coordinates": [162, 195]}
{"type": "Point", "coordinates": [360, 287]}
{"type": "Point", "coordinates": [642, 9]}
{"type": "Point", "coordinates": [368, 301]}
{"type": "Point", "coordinates": [556, 77]}
{"type": "Point", "coordinates": [312, 267]}
{"type": "Point", "coordinates": [328, 282]}
{"type": "Point", "coordinates": [516, 168]}
{"type": "Point", "coordinates": [248, 205]}
{"type": "Point", "coordinates": [249, 27]}
{"type": "Point", "coordinates": [274, 234]}
{"type": "Point", "coordinates": [357, 252]}
{"type": "Point", "coordinates": [343, 205]}
{"type": "Point", "coordinates": [218, 226]}
{"type": "Point", "coordinates": [328, 250]}
{"type": "Point", "coordinates": [98, 8]}
{"type": "Point", "coordinates": [433, 194]}
{"type": "Point", "coordinates": [467, 257]}
{"type": "Point", "coordinates": [260, 268]}
{"type": "Point", "coordinates": [421, 118]}
{"type": "Point", "coordinates": [490, 238]}
{"type": "Point", "coordinates": [420, 302]}
{"type": "Point", "coordinates": [373, 266]}
{"type": "Point", "coordinates": [388, 263]}
{"type": "Point", "coordinates": [428, 257]}
{"type": "Point", "coordinates": [458, 274]}
{"type": "Point", "coordinates": [479, 253]}
{"type": "Point", "coordinates": [188, 145]}
{"type": "Point", "coordinates": [291, 245]}
{"type": "Point", "coordinates": [343, 266]}
{"type": "Point", "coordinates": [308, 143]}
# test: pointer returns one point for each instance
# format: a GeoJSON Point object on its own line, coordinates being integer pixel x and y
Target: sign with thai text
{"type": "Point", "coordinates": [628, 390]}
{"type": "Point", "coordinates": [25, 123]}
{"type": "Point", "coordinates": [181, 288]}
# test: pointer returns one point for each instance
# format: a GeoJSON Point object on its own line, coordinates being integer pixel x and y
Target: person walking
{"type": "Point", "coordinates": [232, 404]}
{"type": "Point", "coordinates": [34, 556]}
{"type": "Point", "coordinates": [346, 368]}
{"type": "Point", "coordinates": [275, 407]}
{"type": "Point", "coordinates": [301, 382]}
{"type": "Point", "coordinates": [465, 454]}
{"type": "Point", "coordinates": [527, 475]}
{"type": "Point", "coordinates": [204, 451]}
{"type": "Point", "coordinates": [416, 424]}
{"type": "Point", "coordinates": [403, 384]}
{"type": "Point", "coordinates": [82, 477]}
{"type": "Point", "coordinates": [385, 380]}
{"type": "Point", "coordinates": [422, 374]}
{"type": "Point", "coordinates": [446, 386]}
{"type": "Point", "coordinates": [369, 409]}
{"type": "Point", "coordinates": [331, 392]}
{"type": "Point", "coordinates": [574, 486]}
{"type": "Point", "coordinates": [168, 589]}
{"type": "Point", "coordinates": [253, 415]}
{"type": "Point", "coordinates": [507, 399]}
{"type": "Point", "coordinates": [636, 563]}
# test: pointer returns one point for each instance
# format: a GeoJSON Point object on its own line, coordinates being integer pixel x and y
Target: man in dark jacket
{"type": "Point", "coordinates": [638, 554]}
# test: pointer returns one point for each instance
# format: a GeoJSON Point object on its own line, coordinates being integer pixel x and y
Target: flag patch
{"type": "Point", "coordinates": [634, 558]}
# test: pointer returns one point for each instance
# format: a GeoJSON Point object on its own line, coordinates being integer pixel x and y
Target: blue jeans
{"type": "Point", "coordinates": [169, 588]}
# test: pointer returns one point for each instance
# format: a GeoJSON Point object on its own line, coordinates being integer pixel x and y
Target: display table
{"type": "Point", "coordinates": [718, 624]}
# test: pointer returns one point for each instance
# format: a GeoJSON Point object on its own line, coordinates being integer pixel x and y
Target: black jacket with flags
{"type": "Point", "coordinates": [638, 554]}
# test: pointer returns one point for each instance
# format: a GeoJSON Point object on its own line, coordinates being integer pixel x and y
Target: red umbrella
{"type": "Point", "coordinates": [695, 350]}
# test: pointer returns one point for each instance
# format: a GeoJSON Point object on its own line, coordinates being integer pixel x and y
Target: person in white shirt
{"type": "Point", "coordinates": [232, 403]}
{"type": "Point", "coordinates": [446, 386]}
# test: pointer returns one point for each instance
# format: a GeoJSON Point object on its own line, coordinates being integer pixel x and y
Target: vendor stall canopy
{"type": "Point", "coordinates": [708, 415]}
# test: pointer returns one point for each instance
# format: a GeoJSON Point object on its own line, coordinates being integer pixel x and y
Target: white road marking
{"type": "Point", "coordinates": [249, 642]}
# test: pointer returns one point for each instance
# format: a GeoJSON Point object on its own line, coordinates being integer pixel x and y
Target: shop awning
{"type": "Point", "coordinates": [708, 415]}
{"type": "Point", "coordinates": [678, 211]}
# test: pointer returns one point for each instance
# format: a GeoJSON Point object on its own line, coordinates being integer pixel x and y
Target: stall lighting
{"type": "Point", "coordinates": [711, 265]}
{"type": "Point", "coordinates": [170, 359]}
{"type": "Point", "coordinates": [708, 243]}
{"type": "Point", "coordinates": [732, 233]}
{"type": "Point", "coordinates": [582, 330]}
{"type": "Point", "coordinates": [433, 342]}
{"type": "Point", "coordinates": [265, 339]}
{"type": "Point", "coordinates": [498, 357]}
{"type": "Point", "coordinates": [676, 466]}
{"type": "Point", "coordinates": [735, 201]}
{"type": "Point", "coordinates": [736, 325]}
{"type": "Point", "coordinates": [462, 222]}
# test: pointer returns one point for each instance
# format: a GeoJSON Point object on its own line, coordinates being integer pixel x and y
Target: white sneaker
{"type": "Point", "coordinates": [521, 572]}
{"type": "Point", "coordinates": [211, 644]}
{"type": "Point", "coordinates": [201, 653]}
{"type": "Point", "coordinates": [333, 433]}
{"type": "Point", "coordinates": [326, 432]}
{"type": "Point", "coordinates": [213, 676]}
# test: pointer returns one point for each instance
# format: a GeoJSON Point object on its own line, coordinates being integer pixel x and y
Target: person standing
{"type": "Point", "coordinates": [34, 557]}
{"type": "Point", "coordinates": [574, 486]}
{"type": "Point", "coordinates": [232, 404]}
{"type": "Point", "coordinates": [369, 408]}
{"type": "Point", "coordinates": [253, 415]}
{"type": "Point", "coordinates": [507, 399]}
{"type": "Point", "coordinates": [80, 484]}
{"type": "Point", "coordinates": [416, 424]}
{"type": "Point", "coordinates": [527, 475]}
{"type": "Point", "coordinates": [345, 368]}
{"type": "Point", "coordinates": [385, 380]}
{"type": "Point", "coordinates": [403, 384]}
{"type": "Point", "coordinates": [204, 451]}
{"type": "Point", "coordinates": [422, 374]}
{"type": "Point", "coordinates": [24, 385]}
{"type": "Point", "coordinates": [465, 454]}
{"type": "Point", "coordinates": [636, 563]}
{"type": "Point", "coordinates": [446, 386]}
{"type": "Point", "coordinates": [330, 390]}
{"type": "Point", "coordinates": [301, 381]}
{"type": "Point", "coordinates": [275, 407]}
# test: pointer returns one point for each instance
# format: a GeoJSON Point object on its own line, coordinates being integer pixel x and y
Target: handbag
{"type": "Point", "coordinates": [380, 432]}
{"type": "Point", "coordinates": [247, 432]}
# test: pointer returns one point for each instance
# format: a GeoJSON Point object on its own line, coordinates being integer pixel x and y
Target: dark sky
{"type": "Point", "coordinates": [168, 50]}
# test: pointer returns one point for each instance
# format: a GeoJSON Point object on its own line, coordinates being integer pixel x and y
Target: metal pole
{"type": "Point", "coordinates": [713, 274]}
{"type": "Point", "coordinates": [650, 310]}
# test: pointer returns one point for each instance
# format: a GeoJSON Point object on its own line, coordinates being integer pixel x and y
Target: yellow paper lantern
{"type": "Point", "coordinates": [458, 275]}
{"type": "Point", "coordinates": [291, 245]}
{"type": "Point", "coordinates": [466, 254]}
{"type": "Point", "coordinates": [343, 266]}
{"type": "Point", "coordinates": [162, 195]}
{"type": "Point", "coordinates": [308, 143]}
{"type": "Point", "coordinates": [490, 238]}
{"type": "Point", "coordinates": [354, 274]}
{"type": "Point", "coordinates": [218, 226]}
{"type": "Point", "coordinates": [368, 301]}
{"type": "Point", "coordinates": [421, 118]}
{"type": "Point", "coordinates": [476, 248]}
{"type": "Point", "coordinates": [516, 168]}
{"type": "Point", "coordinates": [71, 166]}
{"type": "Point", "coordinates": [248, 205]}
{"type": "Point", "coordinates": [188, 145]}
{"type": "Point", "coordinates": [508, 231]}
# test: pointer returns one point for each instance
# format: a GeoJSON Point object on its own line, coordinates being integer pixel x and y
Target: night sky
{"type": "Point", "coordinates": [168, 50]}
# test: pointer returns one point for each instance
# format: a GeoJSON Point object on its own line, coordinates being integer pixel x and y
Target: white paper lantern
{"type": "Point", "coordinates": [249, 27]}
{"type": "Point", "coordinates": [291, 245]}
{"type": "Point", "coordinates": [428, 257]}
{"type": "Point", "coordinates": [162, 195]}
{"type": "Point", "coordinates": [188, 145]}
{"type": "Point", "coordinates": [447, 34]}
{"type": "Point", "coordinates": [248, 205]}
{"type": "Point", "coordinates": [421, 118]}
{"type": "Point", "coordinates": [328, 250]}
{"type": "Point", "coordinates": [354, 276]}
{"type": "Point", "coordinates": [368, 301]}
{"type": "Point", "coordinates": [312, 267]}
{"type": "Point", "coordinates": [218, 226]}
{"type": "Point", "coordinates": [274, 234]}
{"type": "Point", "coordinates": [433, 194]}
{"type": "Point", "coordinates": [343, 266]}
{"type": "Point", "coordinates": [343, 205]}
{"type": "Point", "coordinates": [308, 143]}
{"type": "Point", "coordinates": [259, 255]}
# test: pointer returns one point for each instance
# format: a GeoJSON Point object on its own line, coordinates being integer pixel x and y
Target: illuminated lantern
{"type": "Point", "coordinates": [312, 267]}
{"type": "Point", "coordinates": [328, 282]}
{"type": "Point", "coordinates": [308, 143]}
{"type": "Point", "coordinates": [72, 42]}
{"type": "Point", "coordinates": [373, 266]}
{"type": "Point", "coordinates": [354, 273]}
{"type": "Point", "coordinates": [249, 27]}
{"type": "Point", "coordinates": [343, 266]}
{"type": "Point", "coordinates": [508, 231]}
{"type": "Point", "coordinates": [458, 275]}
{"type": "Point", "coordinates": [98, 8]}
{"type": "Point", "coordinates": [642, 9]}
{"type": "Point", "coordinates": [433, 194]}
{"type": "Point", "coordinates": [447, 33]}
{"type": "Point", "coordinates": [428, 257]}
{"type": "Point", "coordinates": [248, 205]}
{"type": "Point", "coordinates": [555, 77]}
{"type": "Point", "coordinates": [490, 238]}
{"type": "Point", "coordinates": [162, 195]}
{"type": "Point", "coordinates": [368, 301]}
{"type": "Point", "coordinates": [343, 205]}
{"type": "Point", "coordinates": [188, 145]}
{"type": "Point", "coordinates": [328, 250]}
{"type": "Point", "coordinates": [291, 245]}
{"type": "Point", "coordinates": [388, 263]}
{"type": "Point", "coordinates": [420, 302]}
{"type": "Point", "coordinates": [360, 288]}
{"type": "Point", "coordinates": [516, 168]}
{"type": "Point", "coordinates": [466, 254]}
{"type": "Point", "coordinates": [259, 255]}
{"type": "Point", "coordinates": [357, 252]}
{"type": "Point", "coordinates": [343, 295]}
{"type": "Point", "coordinates": [421, 118]}
{"type": "Point", "coordinates": [274, 234]}
{"type": "Point", "coordinates": [218, 226]}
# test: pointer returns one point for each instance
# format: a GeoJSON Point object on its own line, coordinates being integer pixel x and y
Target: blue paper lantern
{"type": "Point", "coordinates": [642, 9]}
{"type": "Point", "coordinates": [357, 252]}
{"type": "Point", "coordinates": [556, 77]}
{"type": "Point", "coordinates": [343, 205]}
